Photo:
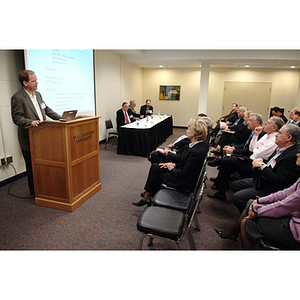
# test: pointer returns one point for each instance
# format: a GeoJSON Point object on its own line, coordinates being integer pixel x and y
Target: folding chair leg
{"type": "Point", "coordinates": [106, 143]}
{"type": "Point", "coordinates": [141, 242]}
{"type": "Point", "coordinates": [196, 223]}
{"type": "Point", "coordinates": [150, 242]}
{"type": "Point", "coordinates": [191, 240]}
{"type": "Point", "coordinates": [177, 244]}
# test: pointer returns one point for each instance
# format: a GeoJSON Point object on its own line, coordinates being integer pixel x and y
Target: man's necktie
{"type": "Point", "coordinates": [249, 139]}
{"type": "Point", "coordinates": [126, 117]}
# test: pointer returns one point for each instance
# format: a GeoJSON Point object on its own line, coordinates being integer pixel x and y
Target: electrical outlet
{"type": "Point", "coordinates": [9, 159]}
{"type": "Point", "coordinates": [6, 160]}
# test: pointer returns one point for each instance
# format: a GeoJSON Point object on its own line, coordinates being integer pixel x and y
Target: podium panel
{"type": "Point", "coordinates": [65, 162]}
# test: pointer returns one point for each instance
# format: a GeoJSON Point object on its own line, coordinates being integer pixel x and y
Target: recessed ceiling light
{"type": "Point", "coordinates": [160, 66]}
{"type": "Point", "coordinates": [163, 64]}
{"type": "Point", "coordinates": [256, 63]}
{"type": "Point", "coordinates": [247, 66]}
{"type": "Point", "coordinates": [293, 67]}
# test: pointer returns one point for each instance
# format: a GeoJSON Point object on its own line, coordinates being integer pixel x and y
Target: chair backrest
{"type": "Point", "coordinates": [195, 201]}
{"type": "Point", "coordinates": [108, 124]}
{"type": "Point", "coordinates": [197, 194]}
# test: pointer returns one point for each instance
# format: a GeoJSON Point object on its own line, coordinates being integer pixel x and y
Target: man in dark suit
{"type": "Point", "coordinates": [231, 117]}
{"type": "Point", "coordinates": [277, 112]}
{"type": "Point", "coordinates": [147, 109]}
{"type": "Point", "coordinates": [131, 107]}
{"type": "Point", "coordinates": [124, 115]}
{"type": "Point", "coordinates": [278, 172]}
{"type": "Point", "coordinates": [29, 108]}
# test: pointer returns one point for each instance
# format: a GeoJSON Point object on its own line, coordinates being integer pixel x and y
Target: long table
{"type": "Point", "coordinates": [140, 138]}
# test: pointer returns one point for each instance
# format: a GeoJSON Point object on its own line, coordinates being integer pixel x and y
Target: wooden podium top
{"type": "Point", "coordinates": [66, 122]}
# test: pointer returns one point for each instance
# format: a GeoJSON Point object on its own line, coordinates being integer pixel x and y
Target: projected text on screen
{"type": "Point", "coordinates": [65, 78]}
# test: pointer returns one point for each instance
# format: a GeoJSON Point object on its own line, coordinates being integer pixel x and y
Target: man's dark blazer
{"type": "Point", "coordinates": [231, 117]}
{"type": "Point", "coordinates": [132, 114]}
{"type": "Point", "coordinates": [144, 108]}
{"type": "Point", "coordinates": [23, 113]}
{"type": "Point", "coordinates": [240, 135]}
{"type": "Point", "coordinates": [121, 118]}
{"type": "Point", "coordinates": [283, 175]}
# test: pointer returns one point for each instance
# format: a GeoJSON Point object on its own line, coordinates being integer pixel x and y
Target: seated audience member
{"type": "Point", "coordinates": [167, 155]}
{"type": "Point", "coordinates": [236, 135]}
{"type": "Point", "coordinates": [147, 109]}
{"type": "Point", "coordinates": [209, 123]}
{"type": "Point", "coordinates": [184, 174]}
{"type": "Point", "coordinates": [232, 127]}
{"type": "Point", "coordinates": [296, 118]}
{"type": "Point", "coordinates": [291, 115]}
{"type": "Point", "coordinates": [124, 116]}
{"type": "Point", "coordinates": [231, 117]}
{"type": "Point", "coordinates": [240, 160]}
{"type": "Point", "coordinates": [278, 172]}
{"type": "Point", "coordinates": [276, 112]}
{"type": "Point", "coordinates": [275, 217]}
{"type": "Point", "coordinates": [131, 107]}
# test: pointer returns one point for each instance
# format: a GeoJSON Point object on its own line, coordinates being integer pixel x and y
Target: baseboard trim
{"type": "Point", "coordinates": [12, 179]}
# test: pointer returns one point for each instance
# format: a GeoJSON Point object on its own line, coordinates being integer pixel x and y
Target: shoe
{"type": "Point", "coordinates": [142, 203]}
{"type": "Point", "coordinates": [213, 179]}
{"type": "Point", "coordinates": [214, 163]}
{"type": "Point", "coordinates": [217, 195]}
{"type": "Point", "coordinates": [220, 233]}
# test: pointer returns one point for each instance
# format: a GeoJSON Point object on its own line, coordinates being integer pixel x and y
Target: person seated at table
{"type": "Point", "coordinates": [275, 217]}
{"type": "Point", "coordinates": [182, 175]}
{"type": "Point", "coordinates": [131, 107]}
{"type": "Point", "coordinates": [124, 116]}
{"type": "Point", "coordinates": [147, 109]}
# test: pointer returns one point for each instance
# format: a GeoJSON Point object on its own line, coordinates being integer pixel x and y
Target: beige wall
{"type": "Point", "coordinates": [11, 62]}
{"type": "Point", "coordinates": [284, 86]}
{"type": "Point", "coordinates": [284, 89]}
{"type": "Point", "coordinates": [188, 79]}
{"type": "Point", "coordinates": [116, 81]}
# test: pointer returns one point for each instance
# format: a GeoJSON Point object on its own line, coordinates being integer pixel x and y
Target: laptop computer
{"type": "Point", "coordinates": [69, 115]}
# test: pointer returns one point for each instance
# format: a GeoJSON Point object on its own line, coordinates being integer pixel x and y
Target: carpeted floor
{"type": "Point", "coordinates": [107, 221]}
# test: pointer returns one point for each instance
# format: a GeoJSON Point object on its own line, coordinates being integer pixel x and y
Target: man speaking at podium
{"type": "Point", "coordinates": [29, 108]}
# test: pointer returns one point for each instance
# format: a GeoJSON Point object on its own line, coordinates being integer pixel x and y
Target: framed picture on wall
{"type": "Point", "coordinates": [169, 92]}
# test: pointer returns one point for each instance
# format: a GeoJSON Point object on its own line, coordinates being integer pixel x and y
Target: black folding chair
{"type": "Point", "coordinates": [110, 131]}
{"type": "Point", "coordinates": [169, 223]}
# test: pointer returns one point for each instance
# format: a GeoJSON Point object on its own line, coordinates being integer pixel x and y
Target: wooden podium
{"type": "Point", "coordinates": [65, 162]}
